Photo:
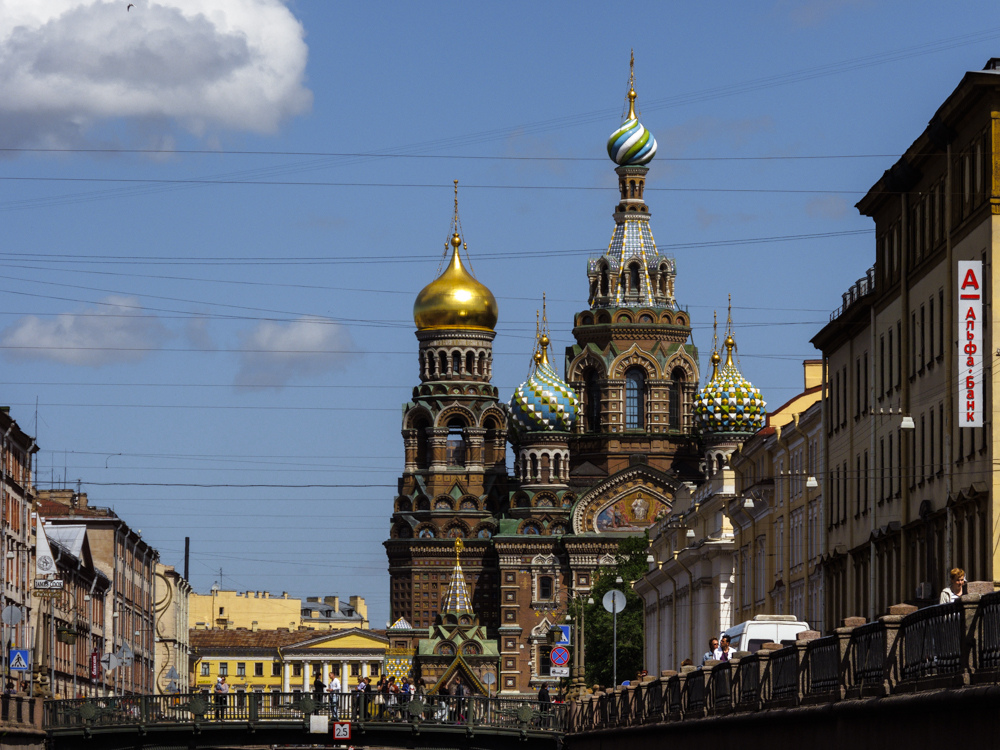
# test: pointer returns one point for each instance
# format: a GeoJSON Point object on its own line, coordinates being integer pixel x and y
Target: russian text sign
{"type": "Point", "coordinates": [969, 407]}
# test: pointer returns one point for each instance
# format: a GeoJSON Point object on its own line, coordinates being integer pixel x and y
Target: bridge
{"type": "Point", "coordinates": [914, 676]}
{"type": "Point", "coordinates": [918, 678]}
{"type": "Point", "coordinates": [199, 720]}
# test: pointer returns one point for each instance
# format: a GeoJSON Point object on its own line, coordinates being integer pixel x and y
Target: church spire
{"type": "Point", "coordinates": [457, 598]}
{"type": "Point", "coordinates": [632, 272]}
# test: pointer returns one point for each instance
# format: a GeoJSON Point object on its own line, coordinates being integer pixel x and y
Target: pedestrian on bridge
{"type": "Point", "coordinates": [713, 644]}
{"type": "Point", "coordinates": [221, 693]}
{"type": "Point", "coordinates": [955, 589]}
{"type": "Point", "coordinates": [319, 687]}
{"type": "Point", "coordinates": [333, 688]}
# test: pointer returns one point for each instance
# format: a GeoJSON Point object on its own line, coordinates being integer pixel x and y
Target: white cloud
{"type": "Point", "coordinates": [827, 207]}
{"type": "Point", "coordinates": [115, 331]}
{"type": "Point", "coordinates": [71, 66]}
{"type": "Point", "coordinates": [277, 353]}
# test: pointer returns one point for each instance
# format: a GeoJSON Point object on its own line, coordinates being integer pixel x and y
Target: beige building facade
{"type": "Point", "coordinates": [906, 505]}
{"type": "Point", "coordinates": [171, 659]}
{"type": "Point", "coordinates": [259, 610]}
{"type": "Point", "coordinates": [778, 514]}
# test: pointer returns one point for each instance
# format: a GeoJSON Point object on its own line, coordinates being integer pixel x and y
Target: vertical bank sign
{"type": "Point", "coordinates": [970, 344]}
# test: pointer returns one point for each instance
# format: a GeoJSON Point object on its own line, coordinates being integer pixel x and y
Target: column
{"type": "Point", "coordinates": [438, 443]}
{"type": "Point", "coordinates": [324, 668]}
{"type": "Point", "coordinates": [345, 675]}
{"type": "Point", "coordinates": [474, 448]}
{"type": "Point", "coordinates": [286, 674]}
{"type": "Point", "coordinates": [305, 677]}
{"type": "Point", "coordinates": [365, 669]}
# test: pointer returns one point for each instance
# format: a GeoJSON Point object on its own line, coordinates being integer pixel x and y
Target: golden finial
{"type": "Point", "coordinates": [456, 241]}
{"type": "Point", "coordinates": [715, 345]}
{"type": "Point", "coordinates": [543, 340]}
{"type": "Point", "coordinates": [459, 546]}
{"type": "Point", "coordinates": [730, 342]}
{"type": "Point", "coordinates": [631, 86]}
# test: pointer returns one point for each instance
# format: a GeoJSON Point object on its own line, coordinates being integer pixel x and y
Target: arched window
{"type": "Point", "coordinates": [676, 398]}
{"type": "Point", "coordinates": [604, 282]}
{"type": "Point", "coordinates": [633, 278]}
{"type": "Point", "coordinates": [456, 364]}
{"type": "Point", "coordinates": [635, 392]}
{"type": "Point", "coordinates": [556, 474]}
{"type": "Point", "coordinates": [420, 426]}
{"type": "Point", "coordinates": [545, 588]}
{"type": "Point", "coordinates": [592, 395]}
{"type": "Point", "coordinates": [481, 372]}
{"type": "Point", "coordinates": [442, 364]}
{"type": "Point", "coordinates": [456, 443]}
{"type": "Point", "coordinates": [470, 363]}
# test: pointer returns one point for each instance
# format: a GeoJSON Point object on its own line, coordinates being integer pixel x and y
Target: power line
{"type": "Point", "coordinates": [422, 185]}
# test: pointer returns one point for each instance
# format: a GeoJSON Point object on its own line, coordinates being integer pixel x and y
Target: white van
{"type": "Point", "coordinates": [752, 634]}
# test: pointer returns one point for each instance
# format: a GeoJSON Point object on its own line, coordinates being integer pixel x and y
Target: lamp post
{"type": "Point", "coordinates": [905, 423]}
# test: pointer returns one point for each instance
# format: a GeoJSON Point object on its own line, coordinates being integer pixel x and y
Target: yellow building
{"type": "Point", "coordinates": [285, 661]}
{"type": "Point", "coordinates": [258, 610]}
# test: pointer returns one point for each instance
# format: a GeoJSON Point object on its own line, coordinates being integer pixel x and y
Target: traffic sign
{"type": "Point", "coordinates": [567, 633]}
{"type": "Point", "coordinates": [614, 601]}
{"type": "Point", "coordinates": [20, 660]}
{"type": "Point", "coordinates": [109, 662]}
{"type": "Point", "coordinates": [341, 730]}
{"type": "Point", "coordinates": [559, 671]}
{"type": "Point", "coordinates": [559, 656]}
{"type": "Point", "coordinates": [11, 615]}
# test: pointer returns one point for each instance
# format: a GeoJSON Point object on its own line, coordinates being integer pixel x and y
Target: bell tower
{"type": "Point", "coordinates": [633, 366]}
{"type": "Point", "coordinates": [454, 434]}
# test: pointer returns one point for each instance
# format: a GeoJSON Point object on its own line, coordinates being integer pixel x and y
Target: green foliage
{"type": "Point", "coordinates": [630, 565]}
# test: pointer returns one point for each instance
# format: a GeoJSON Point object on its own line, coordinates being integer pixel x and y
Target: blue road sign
{"type": "Point", "coordinates": [559, 656]}
{"type": "Point", "coordinates": [20, 660]}
{"type": "Point", "coordinates": [567, 631]}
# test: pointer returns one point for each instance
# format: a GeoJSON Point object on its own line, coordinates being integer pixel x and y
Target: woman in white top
{"type": "Point", "coordinates": [952, 592]}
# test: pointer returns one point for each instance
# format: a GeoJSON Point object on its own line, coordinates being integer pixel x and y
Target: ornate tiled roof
{"type": "Point", "coordinates": [401, 624]}
{"type": "Point", "coordinates": [456, 598]}
{"type": "Point", "coordinates": [544, 402]}
{"type": "Point", "coordinates": [729, 403]}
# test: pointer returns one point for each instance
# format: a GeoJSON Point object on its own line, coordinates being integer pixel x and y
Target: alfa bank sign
{"type": "Point", "coordinates": [970, 344]}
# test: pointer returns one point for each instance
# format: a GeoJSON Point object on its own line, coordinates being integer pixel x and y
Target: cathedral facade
{"type": "Point", "coordinates": [600, 451]}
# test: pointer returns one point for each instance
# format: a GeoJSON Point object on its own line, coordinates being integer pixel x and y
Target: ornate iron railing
{"type": "Point", "coordinates": [149, 710]}
{"type": "Point", "coordinates": [931, 641]}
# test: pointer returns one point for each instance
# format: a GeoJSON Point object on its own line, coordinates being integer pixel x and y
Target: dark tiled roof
{"type": "Point", "coordinates": [241, 638]}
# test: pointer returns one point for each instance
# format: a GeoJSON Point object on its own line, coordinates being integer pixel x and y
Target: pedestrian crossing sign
{"type": "Point", "coordinates": [20, 660]}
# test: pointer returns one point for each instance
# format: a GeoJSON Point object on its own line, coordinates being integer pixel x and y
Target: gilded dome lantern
{"type": "Point", "coordinates": [455, 299]}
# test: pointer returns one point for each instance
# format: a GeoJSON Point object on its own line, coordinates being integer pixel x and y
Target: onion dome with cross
{"type": "Point", "coordinates": [728, 403]}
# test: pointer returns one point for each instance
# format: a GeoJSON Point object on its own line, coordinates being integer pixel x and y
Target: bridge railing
{"type": "Point", "coordinates": [907, 650]}
{"type": "Point", "coordinates": [194, 708]}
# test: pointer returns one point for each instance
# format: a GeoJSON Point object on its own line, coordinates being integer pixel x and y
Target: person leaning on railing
{"type": "Point", "coordinates": [955, 589]}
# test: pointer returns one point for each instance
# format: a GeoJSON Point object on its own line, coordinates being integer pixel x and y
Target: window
{"type": "Point", "coordinates": [296, 670]}
{"type": "Point", "coordinates": [223, 669]}
{"type": "Point", "coordinates": [593, 396]}
{"type": "Point", "coordinates": [456, 443]}
{"type": "Point", "coordinates": [633, 278]}
{"type": "Point", "coordinates": [355, 669]}
{"type": "Point", "coordinates": [676, 397]}
{"type": "Point", "coordinates": [545, 588]}
{"type": "Point", "coordinates": [889, 388]}
{"type": "Point", "coordinates": [258, 669]}
{"type": "Point", "coordinates": [241, 669]}
{"type": "Point", "coordinates": [205, 666]}
{"type": "Point", "coordinates": [276, 669]}
{"type": "Point", "coordinates": [635, 386]}
{"type": "Point", "coordinates": [374, 669]}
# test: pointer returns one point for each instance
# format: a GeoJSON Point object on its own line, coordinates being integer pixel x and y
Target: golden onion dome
{"type": "Point", "coordinates": [455, 299]}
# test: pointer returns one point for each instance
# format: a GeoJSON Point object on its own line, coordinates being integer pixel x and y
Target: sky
{"type": "Point", "coordinates": [217, 214]}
